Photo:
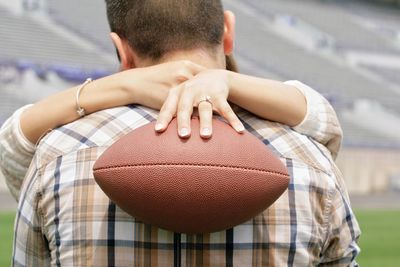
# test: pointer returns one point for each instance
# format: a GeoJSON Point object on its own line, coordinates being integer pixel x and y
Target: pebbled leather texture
{"type": "Point", "coordinates": [191, 185]}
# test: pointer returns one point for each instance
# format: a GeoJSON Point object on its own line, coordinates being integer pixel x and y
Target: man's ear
{"type": "Point", "coordinates": [125, 52]}
{"type": "Point", "coordinates": [229, 32]}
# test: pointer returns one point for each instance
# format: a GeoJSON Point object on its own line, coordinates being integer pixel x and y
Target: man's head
{"type": "Point", "coordinates": [149, 31]}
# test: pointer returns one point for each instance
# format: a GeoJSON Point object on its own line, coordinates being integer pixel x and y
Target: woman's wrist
{"type": "Point", "coordinates": [230, 77]}
{"type": "Point", "coordinates": [142, 87]}
{"type": "Point", "coordinates": [127, 85]}
{"type": "Point", "coordinates": [238, 88]}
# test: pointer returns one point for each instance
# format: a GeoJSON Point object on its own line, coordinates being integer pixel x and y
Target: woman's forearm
{"type": "Point", "coordinates": [60, 108]}
{"type": "Point", "coordinates": [268, 99]}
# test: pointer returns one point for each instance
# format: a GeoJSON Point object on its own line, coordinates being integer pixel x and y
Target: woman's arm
{"type": "Point", "coordinates": [292, 103]}
{"type": "Point", "coordinates": [211, 90]}
{"type": "Point", "coordinates": [268, 99]}
{"type": "Point", "coordinates": [145, 86]}
{"type": "Point", "coordinates": [16, 152]}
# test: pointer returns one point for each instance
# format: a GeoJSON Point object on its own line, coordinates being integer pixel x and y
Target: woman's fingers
{"type": "Point", "coordinates": [207, 91]}
{"type": "Point", "coordinates": [225, 110]}
{"type": "Point", "coordinates": [168, 110]}
{"type": "Point", "coordinates": [206, 113]}
{"type": "Point", "coordinates": [184, 114]}
{"type": "Point", "coordinates": [181, 104]}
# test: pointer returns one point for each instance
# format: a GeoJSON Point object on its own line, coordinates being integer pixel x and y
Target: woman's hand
{"type": "Point", "coordinates": [208, 91]}
{"type": "Point", "coordinates": [149, 86]}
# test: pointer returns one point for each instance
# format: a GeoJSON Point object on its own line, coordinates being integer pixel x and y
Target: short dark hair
{"type": "Point", "coordinates": [156, 27]}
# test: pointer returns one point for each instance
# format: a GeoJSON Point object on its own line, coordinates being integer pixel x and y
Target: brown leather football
{"type": "Point", "coordinates": [191, 185]}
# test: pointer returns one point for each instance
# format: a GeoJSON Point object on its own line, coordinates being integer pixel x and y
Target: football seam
{"type": "Point", "coordinates": [187, 164]}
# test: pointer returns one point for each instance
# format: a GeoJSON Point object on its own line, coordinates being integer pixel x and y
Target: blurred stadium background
{"type": "Point", "coordinates": [348, 50]}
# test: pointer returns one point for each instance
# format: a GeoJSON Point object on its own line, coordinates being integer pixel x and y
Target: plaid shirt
{"type": "Point", "coordinates": [64, 219]}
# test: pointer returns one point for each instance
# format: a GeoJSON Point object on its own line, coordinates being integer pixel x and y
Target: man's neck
{"type": "Point", "coordinates": [198, 56]}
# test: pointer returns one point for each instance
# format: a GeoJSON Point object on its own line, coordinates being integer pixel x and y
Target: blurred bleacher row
{"type": "Point", "coordinates": [347, 50]}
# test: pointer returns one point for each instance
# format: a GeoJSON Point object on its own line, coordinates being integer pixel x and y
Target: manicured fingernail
{"type": "Point", "coordinates": [240, 128]}
{"type": "Point", "coordinates": [206, 132]}
{"type": "Point", "coordinates": [184, 132]}
{"type": "Point", "coordinates": [159, 127]}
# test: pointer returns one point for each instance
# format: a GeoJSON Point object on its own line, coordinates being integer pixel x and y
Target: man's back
{"type": "Point", "coordinates": [65, 218]}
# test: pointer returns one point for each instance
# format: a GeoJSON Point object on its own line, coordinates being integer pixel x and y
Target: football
{"type": "Point", "coordinates": [192, 185]}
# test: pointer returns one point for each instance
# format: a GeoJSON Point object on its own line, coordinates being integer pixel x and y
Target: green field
{"type": "Point", "coordinates": [380, 241]}
{"type": "Point", "coordinates": [6, 237]}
